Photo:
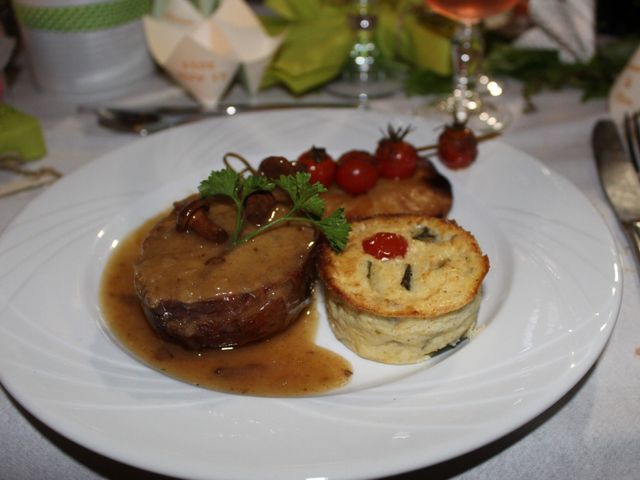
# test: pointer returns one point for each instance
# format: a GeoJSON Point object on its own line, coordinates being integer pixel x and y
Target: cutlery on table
{"type": "Point", "coordinates": [145, 121]}
{"type": "Point", "coordinates": [619, 179]}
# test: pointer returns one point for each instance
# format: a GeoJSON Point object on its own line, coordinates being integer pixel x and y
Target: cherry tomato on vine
{"type": "Point", "coordinates": [357, 172]}
{"type": "Point", "coordinates": [457, 146]}
{"type": "Point", "coordinates": [396, 157]}
{"type": "Point", "coordinates": [319, 164]}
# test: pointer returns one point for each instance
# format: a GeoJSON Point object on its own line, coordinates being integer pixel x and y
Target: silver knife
{"type": "Point", "coordinates": [619, 179]}
{"type": "Point", "coordinates": [235, 108]}
{"type": "Point", "coordinates": [145, 121]}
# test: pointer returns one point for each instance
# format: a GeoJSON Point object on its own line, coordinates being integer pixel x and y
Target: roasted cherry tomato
{"type": "Point", "coordinates": [385, 245]}
{"type": "Point", "coordinates": [320, 165]}
{"type": "Point", "coordinates": [357, 172]}
{"type": "Point", "coordinates": [396, 157]}
{"type": "Point", "coordinates": [457, 146]}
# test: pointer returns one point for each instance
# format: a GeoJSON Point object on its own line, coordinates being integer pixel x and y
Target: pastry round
{"type": "Point", "coordinates": [400, 310]}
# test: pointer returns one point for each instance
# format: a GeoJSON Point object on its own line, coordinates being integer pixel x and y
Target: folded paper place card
{"type": "Point", "coordinates": [564, 25]}
{"type": "Point", "coordinates": [624, 97]}
{"type": "Point", "coordinates": [205, 52]}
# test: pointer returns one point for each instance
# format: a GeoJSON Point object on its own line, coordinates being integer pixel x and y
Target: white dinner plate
{"type": "Point", "coordinates": [549, 305]}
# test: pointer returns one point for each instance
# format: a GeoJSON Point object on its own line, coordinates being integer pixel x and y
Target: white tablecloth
{"type": "Point", "coordinates": [593, 432]}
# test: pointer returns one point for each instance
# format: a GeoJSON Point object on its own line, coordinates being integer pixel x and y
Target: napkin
{"type": "Point", "coordinates": [317, 42]}
{"type": "Point", "coordinates": [567, 26]}
{"type": "Point", "coordinates": [204, 53]}
{"type": "Point", "coordinates": [320, 35]}
{"type": "Point", "coordinates": [625, 93]}
{"type": "Point", "coordinates": [21, 138]}
{"type": "Point", "coordinates": [20, 133]}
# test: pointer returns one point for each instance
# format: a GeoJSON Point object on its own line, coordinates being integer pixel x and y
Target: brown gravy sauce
{"type": "Point", "coordinates": [288, 364]}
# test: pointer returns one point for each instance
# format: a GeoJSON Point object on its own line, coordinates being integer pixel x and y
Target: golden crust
{"type": "Point", "coordinates": [382, 315]}
{"type": "Point", "coordinates": [447, 268]}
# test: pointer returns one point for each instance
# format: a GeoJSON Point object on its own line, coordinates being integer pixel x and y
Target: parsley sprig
{"type": "Point", "coordinates": [307, 206]}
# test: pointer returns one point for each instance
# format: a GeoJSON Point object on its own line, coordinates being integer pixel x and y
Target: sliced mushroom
{"type": "Point", "coordinates": [193, 217]}
{"type": "Point", "coordinates": [274, 166]}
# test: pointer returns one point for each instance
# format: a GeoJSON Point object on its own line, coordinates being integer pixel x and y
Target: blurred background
{"type": "Point", "coordinates": [413, 41]}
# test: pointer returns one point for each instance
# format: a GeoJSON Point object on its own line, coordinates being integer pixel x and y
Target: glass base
{"type": "Point", "coordinates": [483, 115]}
{"type": "Point", "coordinates": [364, 86]}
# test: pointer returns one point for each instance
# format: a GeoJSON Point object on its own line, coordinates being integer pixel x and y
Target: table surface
{"type": "Point", "coordinates": [591, 433]}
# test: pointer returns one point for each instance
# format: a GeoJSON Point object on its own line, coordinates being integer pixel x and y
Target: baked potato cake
{"type": "Point", "coordinates": [404, 287]}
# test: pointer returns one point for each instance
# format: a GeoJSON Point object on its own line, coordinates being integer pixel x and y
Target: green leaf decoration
{"type": "Point", "coordinates": [312, 54]}
{"type": "Point", "coordinates": [307, 205]}
{"type": "Point", "coordinates": [305, 196]}
{"type": "Point", "coordinates": [256, 183]}
{"type": "Point", "coordinates": [319, 38]}
{"type": "Point", "coordinates": [336, 229]}
{"type": "Point", "coordinates": [297, 10]}
{"type": "Point", "coordinates": [221, 182]}
{"type": "Point", "coordinates": [540, 69]}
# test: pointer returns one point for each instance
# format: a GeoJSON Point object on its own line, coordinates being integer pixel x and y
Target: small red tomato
{"type": "Point", "coordinates": [457, 146]}
{"type": "Point", "coordinates": [319, 164]}
{"type": "Point", "coordinates": [396, 157]}
{"type": "Point", "coordinates": [385, 245]}
{"type": "Point", "coordinates": [357, 172]}
{"type": "Point", "coordinates": [356, 154]}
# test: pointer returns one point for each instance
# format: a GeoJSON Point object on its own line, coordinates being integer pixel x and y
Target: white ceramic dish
{"type": "Point", "coordinates": [550, 302]}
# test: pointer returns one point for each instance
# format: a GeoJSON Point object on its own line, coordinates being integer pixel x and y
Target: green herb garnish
{"type": "Point", "coordinates": [307, 206]}
{"type": "Point", "coordinates": [540, 69]}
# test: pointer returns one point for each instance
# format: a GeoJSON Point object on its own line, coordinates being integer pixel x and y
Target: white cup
{"type": "Point", "coordinates": [70, 52]}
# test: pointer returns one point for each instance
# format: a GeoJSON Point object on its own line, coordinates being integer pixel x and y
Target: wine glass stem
{"type": "Point", "coordinates": [466, 53]}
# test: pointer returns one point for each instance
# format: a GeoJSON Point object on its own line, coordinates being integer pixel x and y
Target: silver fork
{"type": "Point", "coordinates": [619, 176]}
{"type": "Point", "coordinates": [632, 136]}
